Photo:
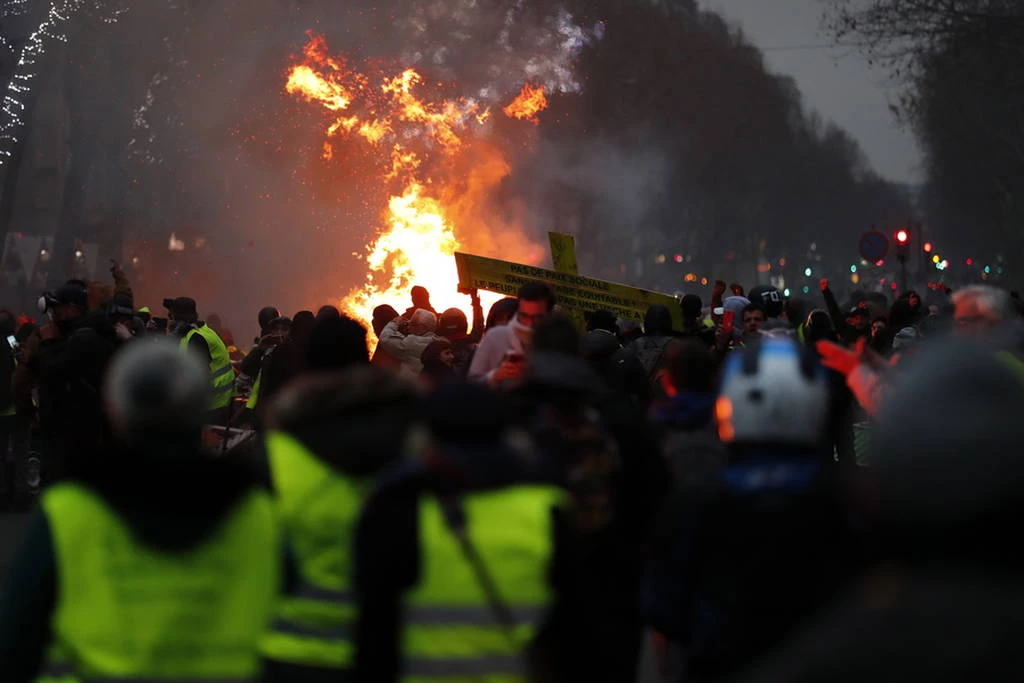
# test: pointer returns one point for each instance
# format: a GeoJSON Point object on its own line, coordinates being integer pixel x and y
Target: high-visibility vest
{"type": "Point", "coordinates": [451, 631]}
{"type": "Point", "coordinates": [129, 612]}
{"type": "Point", "coordinates": [222, 377]}
{"type": "Point", "coordinates": [318, 508]}
{"type": "Point", "coordinates": [254, 395]}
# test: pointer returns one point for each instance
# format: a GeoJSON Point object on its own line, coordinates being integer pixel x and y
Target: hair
{"type": "Point", "coordinates": [382, 315]}
{"type": "Point", "coordinates": [753, 307]}
{"type": "Point", "coordinates": [266, 314]}
{"type": "Point", "coordinates": [690, 366]}
{"type": "Point", "coordinates": [602, 319]}
{"type": "Point", "coordinates": [502, 307]}
{"type": "Point", "coordinates": [423, 322]}
{"type": "Point", "coordinates": [995, 303]}
{"type": "Point", "coordinates": [557, 333]}
{"type": "Point", "coordinates": [691, 305]}
{"type": "Point", "coordinates": [796, 310]}
{"type": "Point", "coordinates": [328, 311]}
{"type": "Point", "coordinates": [7, 322]}
{"type": "Point", "coordinates": [537, 291]}
{"type": "Point", "coordinates": [337, 343]}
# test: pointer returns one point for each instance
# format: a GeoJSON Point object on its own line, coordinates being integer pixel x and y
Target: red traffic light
{"type": "Point", "coordinates": [970, 261]}
{"type": "Point", "coordinates": [902, 236]}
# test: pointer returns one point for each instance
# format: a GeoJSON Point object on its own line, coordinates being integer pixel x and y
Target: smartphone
{"type": "Point", "coordinates": [12, 341]}
{"type": "Point", "coordinates": [729, 321]}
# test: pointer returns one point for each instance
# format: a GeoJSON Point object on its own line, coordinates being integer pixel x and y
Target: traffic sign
{"type": "Point", "coordinates": [874, 246]}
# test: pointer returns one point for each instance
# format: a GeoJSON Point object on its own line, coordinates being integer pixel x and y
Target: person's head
{"type": "Point", "coordinates": [557, 334]}
{"type": "Point", "coordinates": [878, 325]}
{"type": "Point", "coordinates": [601, 320]}
{"type": "Point", "coordinates": [858, 317]}
{"type": "Point", "coordinates": [773, 394]}
{"type": "Point", "coordinates": [279, 327]}
{"type": "Point", "coordinates": [453, 324]}
{"type": "Point", "coordinates": [382, 315]}
{"type": "Point", "coordinates": [329, 311]}
{"type": "Point", "coordinates": [502, 312]}
{"type": "Point", "coordinates": [336, 343]}
{"type": "Point", "coordinates": [69, 302]}
{"type": "Point", "coordinates": [121, 312]}
{"type": "Point", "coordinates": [689, 366]}
{"type": "Point", "coordinates": [7, 323]}
{"type": "Point", "coordinates": [753, 319]}
{"type": "Point", "coordinates": [266, 314]}
{"type": "Point", "coordinates": [438, 355]}
{"type": "Point", "coordinates": [692, 307]}
{"type": "Point", "coordinates": [536, 302]}
{"type": "Point", "coordinates": [770, 299]}
{"type": "Point", "coordinates": [182, 310]}
{"type": "Point", "coordinates": [795, 311]}
{"type": "Point", "coordinates": [979, 309]}
{"type": "Point", "coordinates": [913, 299]}
{"type": "Point", "coordinates": [302, 326]}
{"type": "Point", "coordinates": [819, 326]}
{"type": "Point", "coordinates": [144, 314]}
{"type": "Point", "coordinates": [154, 392]}
{"type": "Point", "coordinates": [423, 323]}
{"type": "Point", "coordinates": [658, 321]}
{"type": "Point", "coordinates": [420, 297]}
{"type": "Point", "coordinates": [629, 330]}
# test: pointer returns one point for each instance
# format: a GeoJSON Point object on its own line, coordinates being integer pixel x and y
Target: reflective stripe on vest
{"type": "Point", "coordinates": [451, 628]}
{"type": "Point", "coordinates": [318, 508]}
{"type": "Point", "coordinates": [222, 379]}
{"type": "Point", "coordinates": [126, 611]}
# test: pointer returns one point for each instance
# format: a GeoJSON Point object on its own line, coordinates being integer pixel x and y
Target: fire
{"type": "Point", "coordinates": [530, 102]}
{"type": "Point", "coordinates": [439, 175]}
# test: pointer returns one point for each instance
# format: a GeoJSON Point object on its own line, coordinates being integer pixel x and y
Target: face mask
{"type": "Point", "coordinates": [524, 333]}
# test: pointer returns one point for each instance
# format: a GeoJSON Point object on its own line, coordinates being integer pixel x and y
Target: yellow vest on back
{"type": "Point", "coordinates": [318, 508]}
{"type": "Point", "coordinates": [222, 378]}
{"type": "Point", "coordinates": [128, 611]}
{"type": "Point", "coordinates": [452, 633]}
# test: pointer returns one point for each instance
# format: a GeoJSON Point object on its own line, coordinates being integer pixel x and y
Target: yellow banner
{"type": "Point", "coordinates": [574, 292]}
{"type": "Point", "coordinates": [563, 252]}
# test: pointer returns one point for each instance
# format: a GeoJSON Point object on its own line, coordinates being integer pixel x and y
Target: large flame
{"type": "Point", "coordinates": [422, 220]}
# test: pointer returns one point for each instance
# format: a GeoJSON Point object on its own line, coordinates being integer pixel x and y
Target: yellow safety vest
{"type": "Point", "coordinates": [254, 395]}
{"type": "Point", "coordinates": [128, 612]}
{"type": "Point", "coordinates": [318, 508]}
{"type": "Point", "coordinates": [452, 633]}
{"type": "Point", "coordinates": [222, 377]}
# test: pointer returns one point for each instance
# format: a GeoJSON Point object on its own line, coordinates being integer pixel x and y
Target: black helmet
{"type": "Point", "coordinates": [769, 297]}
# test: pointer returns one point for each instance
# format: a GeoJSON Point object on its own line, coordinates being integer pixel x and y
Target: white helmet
{"type": "Point", "coordinates": [152, 387]}
{"type": "Point", "coordinates": [773, 393]}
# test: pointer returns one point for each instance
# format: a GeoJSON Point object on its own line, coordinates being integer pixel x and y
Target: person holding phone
{"type": "Point", "coordinates": [501, 357]}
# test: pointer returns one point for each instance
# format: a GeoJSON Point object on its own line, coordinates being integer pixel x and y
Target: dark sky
{"type": "Point", "coordinates": [837, 82]}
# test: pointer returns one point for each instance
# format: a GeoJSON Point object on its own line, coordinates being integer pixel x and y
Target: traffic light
{"type": "Point", "coordinates": [902, 243]}
{"type": "Point", "coordinates": [928, 247]}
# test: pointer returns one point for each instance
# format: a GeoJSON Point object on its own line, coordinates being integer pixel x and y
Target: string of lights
{"type": "Point", "coordinates": [13, 108]}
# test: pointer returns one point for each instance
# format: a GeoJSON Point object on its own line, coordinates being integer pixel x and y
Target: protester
{"type": "Point", "coordinates": [620, 369]}
{"type": "Point", "coordinates": [439, 364]}
{"type": "Point", "coordinates": [202, 342]}
{"type": "Point", "coordinates": [453, 326]}
{"type": "Point", "coordinates": [503, 351]}
{"type": "Point", "coordinates": [336, 343]}
{"type": "Point", "coordinates": [693, 326]}
{"type": "Point", "coordinates": [119, 526]}
{"type": "Point", "coordinates": [650, 348]}
{"type": "Point", "coordinates": [501, 312]}
{"type": "Point", "coordinates": [420, 302]}
{"type": "Point", "coordinates": [753, 319]}
{"type": "Point", "coordinates": [330, 435]}
{"type": "Point", "coordinates": [406, 339]}
{"type": "Point", "coordinates": [288, 361]}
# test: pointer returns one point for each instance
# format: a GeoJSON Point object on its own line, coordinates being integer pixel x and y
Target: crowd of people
{"type": "Point", "coordinates": [772, 490]}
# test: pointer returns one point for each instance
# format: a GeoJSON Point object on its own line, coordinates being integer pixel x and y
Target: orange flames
{"type": "Point", "coordinates": [440, 176]}
{"type": "Point", "coordinates": [530, 102]}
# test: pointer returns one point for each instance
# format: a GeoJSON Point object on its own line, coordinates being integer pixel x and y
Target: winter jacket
{"type": "Point", "coordinates": [407, 348]}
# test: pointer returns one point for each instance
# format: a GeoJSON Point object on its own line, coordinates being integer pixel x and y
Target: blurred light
{"type": "Point", "coordinates": [782, 263]}
{"type": "Point", "coordinates": [969, 261]}
{"type": "Point", "coordinates": [678, 258]}
{"type": "Point", "coordinates": [902, 236]}
{"type": "Point", "coordinates": [704, 281]}
{"type": "Point", "coordinates": [807, 272]}
{"type": "Point", "coordinates": [78, 253]}
{"type": "Point", "coordinates": [764, 267]}
{"type": "Point", "coordinates": [927, 247]}
{"type": "Point", "coordinates": [43, 252]}
{"type": "Point", "coordinates": [853, 269]}
{"type": "Point", "coordinates": [945, 264]}
{"type": "Point", "coordinates": [786, 292]}
{"type": "Point", "coordinates": [660, 258]}
{"type": "Point", "coordinates": [999, 270]}
{"type": "Point", "coordinates": [880, 262]}
{"type": "Point", "coordinates": [936, 258]}
{"type": "Point", "coordinates": [690, 277]}
{"type": "Point", "coordinates": [135, 260]}
{"type": "Point", "coordinates": [988, 269]}
{"type": "Point", "coordinates": [855, 278]}
{"type": "Point", "coordinates": [689, 258]}
{"type": "Point", "coordinates": [807, 289]}
{"type": "Point", "coordinates": [814, 246]}
{"type": "Point", "coordinates": [893, 286]}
